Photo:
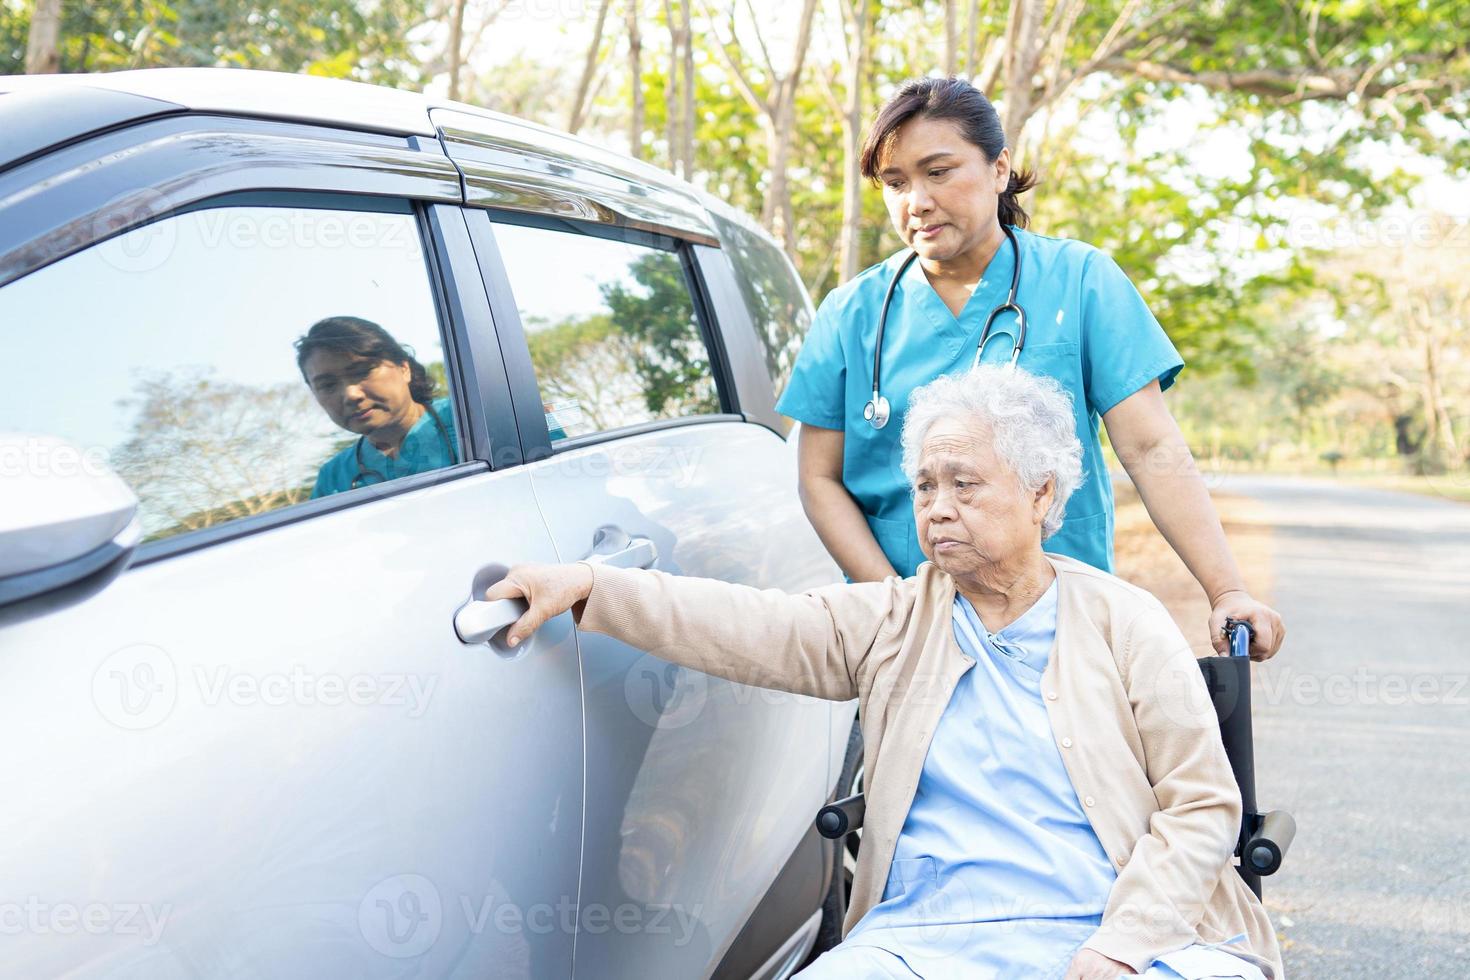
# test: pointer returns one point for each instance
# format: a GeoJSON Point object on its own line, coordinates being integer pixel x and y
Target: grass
{"type": "Point", "coordinates": [1143, 557]}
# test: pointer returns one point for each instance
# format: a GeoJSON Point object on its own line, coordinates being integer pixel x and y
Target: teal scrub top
{"type": "Point", "coordinates": [426, 447]}
{"type": "Point", "coordinates": [1087, 327]}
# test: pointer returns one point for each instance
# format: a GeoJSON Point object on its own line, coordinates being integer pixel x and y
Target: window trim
{"type": "Point", "coordinates": [68, 199]}
{"type": "Point", "coordinates": [536, 441]}
{"type": "Point", "coordinates": [206, 537]}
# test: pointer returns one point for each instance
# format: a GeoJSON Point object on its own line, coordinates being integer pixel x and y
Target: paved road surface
{"type": "Point", "coordinates": [1363, 729]}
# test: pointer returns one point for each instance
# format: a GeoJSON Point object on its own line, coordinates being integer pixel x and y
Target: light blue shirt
{"type": "Point", "coordinates": [426, 447]}
{"type": "Point", "coordinates": [997, 870]}
{"type": "Point", "coordinates": [1087, 327]}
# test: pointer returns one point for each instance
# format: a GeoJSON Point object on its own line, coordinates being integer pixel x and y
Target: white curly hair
{"type": "Point", "coordinates": [1030, 420]}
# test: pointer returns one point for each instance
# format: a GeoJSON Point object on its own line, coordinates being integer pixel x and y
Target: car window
{"type": "Point", "coordinates": [773, 294]}
{"type": "Point", "coordinates": [611, 329]}
{"type": "Point", "coordinates": [234, 360]}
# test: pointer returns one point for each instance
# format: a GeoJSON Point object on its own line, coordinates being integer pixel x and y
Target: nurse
{"type": "Point", "coordinates": [369, 384]}
{"type": "Point", "coordinates": [939, 153]}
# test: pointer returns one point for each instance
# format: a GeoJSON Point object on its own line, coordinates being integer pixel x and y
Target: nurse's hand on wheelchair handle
{"type": "Point", "coordinates": [1266, 626]}
{"type": "Point", "coordinates": [1091, 965]}
{"type": "Point", "coordinates": [549, 590]}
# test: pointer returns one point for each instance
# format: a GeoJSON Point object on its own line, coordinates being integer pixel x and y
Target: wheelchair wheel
{"type": "Point", "coordinates": [834, 906]}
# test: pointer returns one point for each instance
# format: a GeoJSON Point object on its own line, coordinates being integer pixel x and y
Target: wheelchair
{"type": "Point", "coordinates": [1264, 837]}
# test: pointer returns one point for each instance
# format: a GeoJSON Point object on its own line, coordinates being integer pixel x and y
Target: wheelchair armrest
{"type": "Point", "coordinates": [1267, 847]}
{"type": "Point", "coordinates": [841, 817]}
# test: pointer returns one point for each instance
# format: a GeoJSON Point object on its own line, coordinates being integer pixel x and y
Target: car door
{"type": "Point", "coordinates": [263, 749]}
{"type": "Point", "coordinates": [699, 790]}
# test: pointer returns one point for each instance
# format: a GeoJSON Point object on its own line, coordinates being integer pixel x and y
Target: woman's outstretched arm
{"type": "Point", "coordinates": [815, 643]}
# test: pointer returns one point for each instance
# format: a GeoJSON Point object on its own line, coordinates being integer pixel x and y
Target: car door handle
{"type": "Point", "coordinates": [478, 621]}
{"type": "Point", "coordinates": [637, 553]}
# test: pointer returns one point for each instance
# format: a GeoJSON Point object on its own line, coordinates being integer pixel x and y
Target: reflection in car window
{"type": "Point", "coordinates": [371, 385]}
{"type": "Point", "coordinates": [773, 294]}
{"type": "Point", "coordinates": [169, 352]}
{"type": "Point", "coordinates": [611, 330]}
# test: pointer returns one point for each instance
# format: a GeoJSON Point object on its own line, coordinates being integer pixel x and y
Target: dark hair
{"type": "Point", "coordinates": [959, 101]}
{"type": "Point", "coordinates": [364, 338]}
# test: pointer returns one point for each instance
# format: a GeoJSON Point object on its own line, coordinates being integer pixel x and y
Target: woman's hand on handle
{"type": "Point", "coordinates": [1267, 630]}
{"type": "Point", "coordinates": [549, 590]}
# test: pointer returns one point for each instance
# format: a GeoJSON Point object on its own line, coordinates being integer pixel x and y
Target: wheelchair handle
{"type": "Point", "coordinates": [1267, 847]}
{"type": "Point", "coordinates": [1240, 633]}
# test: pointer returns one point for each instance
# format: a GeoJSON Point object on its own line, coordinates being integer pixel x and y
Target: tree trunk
{"type": "Point", "coordinates": [972, 27]}
{"type": "Point", "coordinates": [1023, 48]}
{"type": "Point", "coordinates": [686, 32]}
{"type": "Point", "coordinates": [456, 45]}
{"type": "Point", "coordinates": [1440, 430]}
{"type": "Point", "coordinates": [783, 128]}
{"type": "Point", "coordinates": [951, 36]}
{"type": "Point", "coordinates": [43, 45]}
{"type": "Point", "coordinates": [635, 69]}
{"type": "Point", "coordinates": [589, 68]}
{"type": "Point", "coordinates": [850, 238]}
{"type": "Point", "coordinates": [671, 91]}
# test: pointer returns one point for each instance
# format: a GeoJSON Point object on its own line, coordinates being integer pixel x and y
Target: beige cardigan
{"type": "Point", "coordinates": [1127, 704]}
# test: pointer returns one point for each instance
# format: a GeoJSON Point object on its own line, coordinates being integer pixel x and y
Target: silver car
{"type": "Point", "coordinates": [295, 369]}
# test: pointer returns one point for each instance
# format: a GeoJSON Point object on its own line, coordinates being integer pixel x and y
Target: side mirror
{"type": "Point", "coordinates": [68, 525]}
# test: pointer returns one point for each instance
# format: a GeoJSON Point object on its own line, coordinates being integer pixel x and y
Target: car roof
{"type": "Point", "coordinates": [131, 95]}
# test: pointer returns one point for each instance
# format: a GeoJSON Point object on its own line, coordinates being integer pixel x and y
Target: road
{"type": "Point", "coordinates": [1363, 729]}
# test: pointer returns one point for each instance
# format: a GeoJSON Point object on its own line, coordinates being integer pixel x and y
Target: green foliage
{"type": "Point", "coordinates": [341, 38]}
{"type": "Point", "coordinates": [672, 365]}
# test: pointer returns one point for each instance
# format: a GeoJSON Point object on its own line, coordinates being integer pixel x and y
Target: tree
{"type": "Point", "coordinates": [1412, 302]}
{"type": "Point", "coordinates": [204, 451]}
{"type": "Point", "coordinates": [635, 75]}
{"type": "Point", "coordinates": [679, 87]}
{"type": "Point", "coordinates": [772, 96]}
{"type": "Point", "coordinates": [43, 47]}
{"type": "Point", "coordinates": [671, 361]}
{"type": "Point", "coordinates": [341, 38]}
{"type": "Point", "coordinates": [857, 25]}
{"type": "Point", "coordinates": [580, 102]}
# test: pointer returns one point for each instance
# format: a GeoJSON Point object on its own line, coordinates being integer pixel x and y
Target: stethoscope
{"type": "Point", "coordinates": [876, 411]}
{"type": "Point", "coordinates": [360, 480]}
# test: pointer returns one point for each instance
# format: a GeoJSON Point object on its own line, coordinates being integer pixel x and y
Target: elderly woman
{"type": "Point", "coordinates": [1047, 793]}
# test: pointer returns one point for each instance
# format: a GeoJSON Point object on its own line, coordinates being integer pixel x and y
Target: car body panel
{"type": "Point", "coordinates": [283, 751]}
{"type": "Point", "coordinates": [699, 789]}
